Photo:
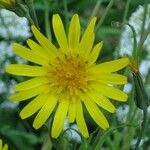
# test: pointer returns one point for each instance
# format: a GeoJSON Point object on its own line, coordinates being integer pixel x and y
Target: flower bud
{"type": "Point", "coordinates": [140, 96]}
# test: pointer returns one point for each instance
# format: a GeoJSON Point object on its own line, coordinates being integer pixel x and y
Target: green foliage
{"type": "Point", "coordinates": [20, 135]}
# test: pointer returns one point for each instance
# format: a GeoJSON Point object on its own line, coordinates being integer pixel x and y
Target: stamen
{"type": "Point", "coordinates": [70, 74]}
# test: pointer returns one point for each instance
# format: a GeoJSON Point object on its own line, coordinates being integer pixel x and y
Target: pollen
{"type": "Point", "coordinates": [70, 73]}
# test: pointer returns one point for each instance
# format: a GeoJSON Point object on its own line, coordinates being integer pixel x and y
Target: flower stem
{"type": "Point", "coordinates": [98, 136]}
{"type": "Point", "coordinates": [134, 51]}
{"type": "Point", "coordinates": [32, 12]}
{"type": "Point", "coordinates": [143, 126]}
{"type": "Point", "coordinates": [104, 15]}
{"type": "Point", "coordinates": [126, 12]}
{"type": "Point", "coordinates": [142, 38]}
{"type": "Point", "coordinates": [66, 13]}
{"type": "Point", "coordinates": [102, 139]}
{"type": "Point", "coordinates": [95, 9]}
{"type": "Point", "coordinates": [123, 23]}
{"type": "Point", "coordinates": [47, 23]}
{"type": "Point", "coordinates": [26, 13]}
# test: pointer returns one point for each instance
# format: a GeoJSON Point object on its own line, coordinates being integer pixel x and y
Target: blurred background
{"type": "Point", "coordinates": [118, 41]}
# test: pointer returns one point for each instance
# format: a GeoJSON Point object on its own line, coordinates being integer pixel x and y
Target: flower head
{"type": "Point", "coordinates": [5, 147]}
{"type": "Point", "coordinates": [67, 77]}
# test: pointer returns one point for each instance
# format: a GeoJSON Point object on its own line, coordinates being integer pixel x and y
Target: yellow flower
{"type": "Point", "coordinates": [5, 147]}
{"type": "Point", "coordinates": [67, 77]}
{"type": "Point", "coordinates": [7, 3]}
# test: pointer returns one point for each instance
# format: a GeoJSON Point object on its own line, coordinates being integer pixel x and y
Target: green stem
{"type": "Point", "coordinates": [73, 130]}
{"type": "Point", "coordinates": [26, 13]}
{"type": "Point", "coordinates": [30, 19]}
{"type": "Point", "coordinates": [47, 22]}
{"type": "Point", "coordinates": [47, 145]}
{"type": "Point", "coordinates": [32, 12]}
{"type": "Point", "coordinates": [126, 12]}
{"type": "Point", "coordinates": [130, 131]}
{"type": "Point", "coordinates": [143, 126]}
{"type": "Point", "coordinates": [134, 52]}
{"type": "Point", "coordinates": [66, 13]}
{"type": "Point", "coordinates": [104, 15]}
{"type": "Point", "coordinates": [147, 78]}
{"type": "Point", "coordinates": [99, 134]}
{"type": "Point", "coordinates": [96, 9]}
{"type": "Point", "coordinates": [142, 39]}
{"type": "Point", "coordinates": [123, 22]}
{"type": "Point", "coordinates": [108, 133]}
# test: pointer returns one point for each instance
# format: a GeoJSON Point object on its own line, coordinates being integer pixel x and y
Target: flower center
{"type": "Point", "coordinates": [70, 73]}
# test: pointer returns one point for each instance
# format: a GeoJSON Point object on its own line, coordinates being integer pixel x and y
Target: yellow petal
{"type": "Point", "coordinates": [40, 51]}
{"type": "Point", "coordinates": [59, 118]}
{"type": "Point", "coordinates": [94, 53]}
{"type": "Point", "coordinates": [33, 106]}
{"type": "Point", "coordinates": [86, 45]}
{"type": "Point", "coordinates": [59, 32]}
{"type": "Point", "coordinates": [45, 112]}
{"type": "Point", "coordinates": [31, 83]}
{"type": "Point", "coordinates": [74, 33]}
{"type": "Point", "coordinates": [90, 27]}
{"type": "Point", "coordinates": [72, 112]}
{"type": "Point", "coordinates": [25, 70]}
{"type": "Point", "coordinates": [1, 143]}
{"type": "Point", "coordinates": [28, 54]}
{"type": "Point", "coordinates": [45, 43]}
{"type": "Point", "coordinates": [23, 95]}
{"type": "Point", "coordinates": [87, 40]}
{"type": "Point", "coordinates": [111, 66]}
{"type": "Point", "coordinates": [101, 101]}
{"type": "Point", "coordinates": [112, 78]}
{"type": "Point", "coordinates": [5, 147]}
{"type": "Point", "coordinates": [111, 92]}
{"type": "Point", "coordinates": [80, 120]}
{"type": "Point", "coordinates": [96, 114]}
